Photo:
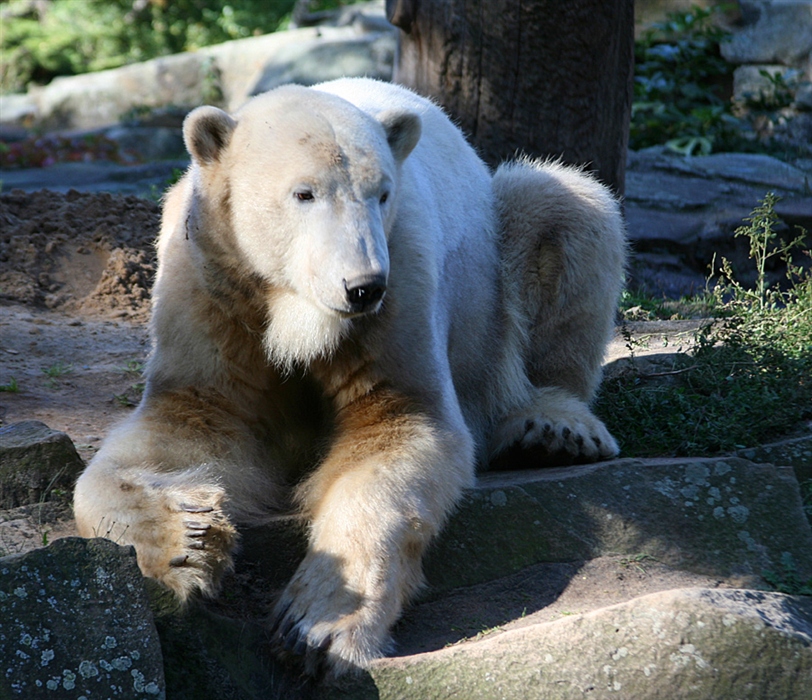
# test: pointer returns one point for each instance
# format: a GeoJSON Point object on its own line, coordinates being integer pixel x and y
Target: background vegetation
{"type": "Point", "coordinates": [683, 90]}
{"type": "Point", "coordinates": [744, 379]}
{"type": "Point", "coordinates": [43, 40]}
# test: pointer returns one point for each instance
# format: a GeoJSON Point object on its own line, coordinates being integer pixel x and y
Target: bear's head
{"type": "Point", "coordinates": [310, 184]}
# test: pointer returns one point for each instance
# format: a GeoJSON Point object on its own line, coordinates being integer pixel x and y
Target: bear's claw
{"type": "Point", "coordinates": [192, 508]}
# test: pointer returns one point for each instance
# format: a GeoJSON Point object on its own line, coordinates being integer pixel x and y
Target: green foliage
{"type": "Point", "coordinates": [806, 496]}
{"type": "Point", "coordinates": [764, 245]}
{"type": "Point", "coordinates": [56, 370]}
{"type": "Point", "coordinates": [71, 37]}
{"type": "Point", "coordinates": [635, 306]}
{"type": "Point", "coordinates": [134, 367]}
{"type": "Point", "coordinates": [680, 83]}
{"type": "Point", "coordinates": [747, 378]}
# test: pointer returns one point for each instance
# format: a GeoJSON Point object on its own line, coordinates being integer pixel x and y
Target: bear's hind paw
{"type": "Point", "coordinates": [560, 427]}
{"type": "Point", "coordinates": [584, 442]}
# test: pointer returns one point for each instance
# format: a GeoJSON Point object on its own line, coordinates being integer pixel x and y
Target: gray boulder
{"type": "Point", "coordinates": [682, 211]}
{"type": "Point", "coordinates": [76, 622]}
{"type": "Point", "coordinates": [728, 518]}
{"type": "Point", "coordinates": [782, 33]}
{"type": "Point", "coordinates": [682, 644]}
{"type": "Point", "coordinates": [35, 461]}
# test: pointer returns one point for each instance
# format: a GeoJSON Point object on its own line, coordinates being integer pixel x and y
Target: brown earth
{"type": "Point", "coordinates": [75, 272]}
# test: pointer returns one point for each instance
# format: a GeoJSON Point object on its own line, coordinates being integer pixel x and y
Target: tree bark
{"type": "Point", "coordinates": [536, 77]}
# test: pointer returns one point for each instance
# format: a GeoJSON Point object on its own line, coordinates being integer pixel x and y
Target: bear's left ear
{"type": "Point", "coordinates": [206, 132]}
{"type": "Point", "coordinates": [402, 131]}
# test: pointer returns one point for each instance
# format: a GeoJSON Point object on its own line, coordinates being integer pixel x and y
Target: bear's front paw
{"type": "Point", "coordinates": [325, 623]}
{"type": "Point", "coordinates": [191, 542]}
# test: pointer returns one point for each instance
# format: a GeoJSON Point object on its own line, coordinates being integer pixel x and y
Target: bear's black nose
{"type": "Point", "coordinates": [364, 293]}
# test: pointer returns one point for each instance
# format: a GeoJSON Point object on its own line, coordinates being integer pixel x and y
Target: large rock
{"type": "Point", "coordinates": [727, 518]}
{"type": "Point", "coordinates": [682, 212]}
{"type": "Point", "coordinates": [76, 622]}
{"type": "Point", "coordinates": [682, 644]}
{"type": "Point", "coordinates": [208, 655]}
{"type": "Point", "coordinates": [782, 33]}
{"type": "Point", "coordinates": [34, 462]}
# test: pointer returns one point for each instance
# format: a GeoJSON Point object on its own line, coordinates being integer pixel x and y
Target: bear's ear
{"type": "Point", "coordinates": [402, 131]}
{"type": "Point", "coordinates": [206, 132]}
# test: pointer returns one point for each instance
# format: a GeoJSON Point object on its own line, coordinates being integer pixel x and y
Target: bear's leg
{"type": "Point", "coordinates": [162, 483]}
{"type": "Point", "coordinates": [563, 255]}
{"type": "Point", "coordinates": [382, 493]}
{"type": "Point", "coordinates": [180, 533]}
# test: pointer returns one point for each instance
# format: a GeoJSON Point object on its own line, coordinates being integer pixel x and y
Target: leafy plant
{"type": "Point", "coordinates": [806, 496]}
{"type": "Point", "coordinates": [55, 372]}
{"type": "Point", "coordinates": [133, 367]}
{"type": "Point", "coordinates": [747, 377]}
{"type": "Point", "coordinates": [58, 369]}
{"type": "Point", "coordinates": [764, 245]}
{"type": "Point", "coordinates": [680, 85]}
{"type": "Point", "coordinates": [131, 396]}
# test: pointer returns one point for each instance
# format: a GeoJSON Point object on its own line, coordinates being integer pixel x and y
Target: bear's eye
{"type": "Point", "coordinates": [384, 197]}
{"type": "Point", "coordinates": [304, 196]}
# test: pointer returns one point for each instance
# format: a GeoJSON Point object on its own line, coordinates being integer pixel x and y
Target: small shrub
{"type": "Point", "coordinates": [12, 387]}
{"type": "Point", "coordinates": [747, 378]}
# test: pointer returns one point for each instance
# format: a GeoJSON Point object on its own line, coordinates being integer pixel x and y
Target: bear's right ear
{"type": "Point", "coordinates": [403, 130]}
{"type": "Point", "coordinates": [206, 132]}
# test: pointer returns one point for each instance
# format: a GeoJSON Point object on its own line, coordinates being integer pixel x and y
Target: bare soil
{"type": "Point", "coordinates": [75, 273]}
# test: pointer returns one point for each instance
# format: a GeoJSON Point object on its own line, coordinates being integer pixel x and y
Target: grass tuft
{"type": "Point", "coordinates": [747, 377]}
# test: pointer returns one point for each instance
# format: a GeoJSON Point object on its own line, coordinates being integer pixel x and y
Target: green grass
{"type": "Point", "coordinates": [56, 370]}
{"type": "Point", "coordinates": [747, 377]}
{"type": "Point", "coordinates": [12, 387]}
{"type": "Point", "coordinates": [787, 580]}
{"type": "Point", "coordinates": [636, 306]}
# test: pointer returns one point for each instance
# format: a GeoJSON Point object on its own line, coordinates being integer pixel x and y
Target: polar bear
{"type": "Point", "coordinates": [351, 313]}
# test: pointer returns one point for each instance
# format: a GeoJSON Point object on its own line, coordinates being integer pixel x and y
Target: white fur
{"type": "Point", "coordinates": [499, 296]}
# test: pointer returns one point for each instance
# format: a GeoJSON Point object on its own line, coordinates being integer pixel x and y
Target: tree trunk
{"type": "Point", "coordinates": [536, 77]}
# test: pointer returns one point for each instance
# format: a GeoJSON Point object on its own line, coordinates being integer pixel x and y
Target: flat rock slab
{"type": "Point", "coordinates": [35, 460]}
{"type": "Point", "coordinates": [683, 644]}
{"type": "Point", "coordinates": [727, 518]}
{"type": "Point", "coordinates": [796, 453]}
{"type": "Point", "coordinates": [76, 621]}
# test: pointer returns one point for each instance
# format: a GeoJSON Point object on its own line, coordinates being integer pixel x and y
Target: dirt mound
{"type": "Point", "coordinates": [78, 251]}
